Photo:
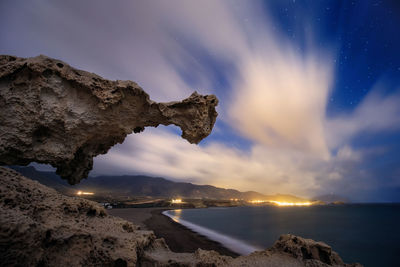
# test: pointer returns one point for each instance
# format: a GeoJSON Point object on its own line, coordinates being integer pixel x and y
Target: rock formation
{"type": "Point", "coordinates": [41, 227]}
{"type": "Point", "coordinates": [53, 113]}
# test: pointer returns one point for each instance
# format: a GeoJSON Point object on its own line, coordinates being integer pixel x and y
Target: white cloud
{"type": "Point", "coordinates": [375, 113]}
{"type": "Point", "coordinates": [281, 100]}
{"type": "Point", "coordinates": [278, 101]}
{"type": "Point", "coordinates": [159, 152]}
{"type": "Point", "coordinates": [264, 169]}
{"type": "Point", "coordinates": [277, 96]}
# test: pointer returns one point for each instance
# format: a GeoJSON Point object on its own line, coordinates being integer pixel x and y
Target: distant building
{"type": "Point", "coordinates": [106, 205]}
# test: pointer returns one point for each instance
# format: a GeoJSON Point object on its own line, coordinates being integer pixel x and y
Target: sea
{"type": "Point", "coordinates": [364, 233]}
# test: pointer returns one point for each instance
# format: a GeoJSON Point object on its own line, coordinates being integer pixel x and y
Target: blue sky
{"type": "Point", "coordinates": [309, 90]}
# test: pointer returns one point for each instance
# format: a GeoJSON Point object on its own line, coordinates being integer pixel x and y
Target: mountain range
{"type": "Point", "coordinates": [140, 185]}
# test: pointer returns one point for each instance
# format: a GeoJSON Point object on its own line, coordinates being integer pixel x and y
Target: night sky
{"type": "Point", "coordinates": [309, 90]}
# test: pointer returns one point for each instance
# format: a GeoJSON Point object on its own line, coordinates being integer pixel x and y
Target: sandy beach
{"type": "Point", "coordinates": [178, 237]}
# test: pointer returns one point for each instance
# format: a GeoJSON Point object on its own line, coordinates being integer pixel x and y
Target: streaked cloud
{"type": "Point", "coordinates": [161, 153]}
{"type": "Point", "coordinates": [276, 94]}
{"type": "Point", "coordinates": [278, 100]}
{"type": "Point", "coordinates": [377, 112]}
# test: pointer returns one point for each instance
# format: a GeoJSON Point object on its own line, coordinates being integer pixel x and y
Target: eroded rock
{"type": "Point", "coordinates": [53, 113]}
{"type": "Point", "coordinates": [307, 249]}
{"type": "Point", "coordinates": [41, 227]}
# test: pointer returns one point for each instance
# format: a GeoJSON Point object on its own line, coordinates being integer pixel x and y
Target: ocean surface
{"type": "Point", "coordinates": [364, 233]}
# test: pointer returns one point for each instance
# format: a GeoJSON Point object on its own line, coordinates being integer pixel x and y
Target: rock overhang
{"type": "Point", "coordinates": [53, 113]}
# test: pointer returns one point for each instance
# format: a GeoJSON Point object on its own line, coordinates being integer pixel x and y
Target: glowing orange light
{"type": "Point", "coordinates": [79, 193]}
{"type": "Point", "coordinates": [177, 200]}
{"type": "Point", "coordinates": [280, 203]}
{"type": "Point", "coordinates": [257, 201]}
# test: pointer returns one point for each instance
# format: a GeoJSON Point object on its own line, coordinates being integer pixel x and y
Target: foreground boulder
{"type": "Point", "coordinates": [53, 113]}
{"type": "Point", "coordinates": [41, 227]}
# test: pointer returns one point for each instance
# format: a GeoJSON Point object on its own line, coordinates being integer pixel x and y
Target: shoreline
{"type": "Point", "coordinates": [229, 242]}
{"type": "Point", "coordinates": [178, 237]}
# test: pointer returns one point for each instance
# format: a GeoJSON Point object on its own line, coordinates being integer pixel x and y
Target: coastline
{"type": "Point", "coordinates": [235, 245]}
{"type": "Point", "coordinates": [90, 238]}
{"type": "Point", "coordinates": [178, 237]}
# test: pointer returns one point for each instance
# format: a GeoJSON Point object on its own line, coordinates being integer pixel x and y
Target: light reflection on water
{"type": "Point", "coordinates": [176, 217]}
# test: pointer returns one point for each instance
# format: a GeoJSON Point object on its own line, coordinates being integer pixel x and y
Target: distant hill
{"type": "Point", "coordinates": [332, 198]}
{"type": "Point", "coordinates": [139, 185]}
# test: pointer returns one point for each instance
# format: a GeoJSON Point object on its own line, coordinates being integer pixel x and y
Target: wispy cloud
{"type": "Point", "coordinates": [278, 100]}
{"type": "Point", "coordinates": [266, 169]}
{"type": "Point", "coordinates": [376, 113]}
{"type": "Point", "coordinates": [276, 94]}
{"type": "Point", "coordinates": [159, 152]}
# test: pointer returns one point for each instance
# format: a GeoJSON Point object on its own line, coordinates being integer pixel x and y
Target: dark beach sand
{"type": "Point", "coordinates": [178, 237]}
{"type": "Point", "coordinates": [136, 215]}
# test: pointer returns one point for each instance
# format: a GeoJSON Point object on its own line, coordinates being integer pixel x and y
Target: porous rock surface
{"type": "Point", "coordinates": [41, 227]}
{"type": "Point", "coordinates": [53, 113]}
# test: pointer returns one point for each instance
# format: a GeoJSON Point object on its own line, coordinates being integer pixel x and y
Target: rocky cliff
{"type": "Point", "coordinates": [53, 113]}
{"type": "Point", "coordinates": [41, 227]}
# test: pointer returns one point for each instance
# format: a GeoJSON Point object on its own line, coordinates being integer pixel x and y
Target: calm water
{"type": "Point", "coordinates": [365, 233]}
